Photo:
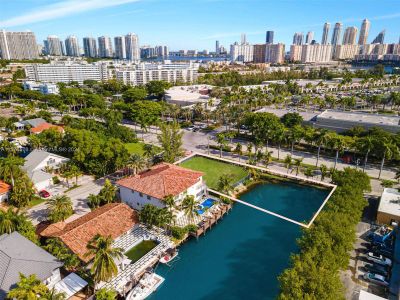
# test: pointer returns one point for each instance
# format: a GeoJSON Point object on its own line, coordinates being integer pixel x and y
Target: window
{"type": "Point", "coordinates": [132, 191]}
{"type": "Point", "coordinates": [148, 197]}
{"type": "Point", "coordinates": [141, 194]}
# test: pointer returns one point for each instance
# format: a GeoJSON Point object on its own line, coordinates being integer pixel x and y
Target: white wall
{"type": "Point", "coordinates": [57, 161]}
{"type": "Point", "coordinates": [3, 197]}
{"type": "Point", "coordinates": [53, 279]}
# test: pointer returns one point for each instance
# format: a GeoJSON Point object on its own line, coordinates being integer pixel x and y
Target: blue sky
{"type": "Point", "coordinates": [196, 24]}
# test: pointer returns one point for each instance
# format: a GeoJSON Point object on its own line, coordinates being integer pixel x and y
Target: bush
{"type": "Point", "coordinates": [56, 180]}
{"type": "Point", "coordinates": [387, 183]}
{"type": "Point", "coordinates": [179, 232]}
{"type": "Point", "coordinates": [225, 148]}
{"type": "Point", "coordinates": [191, 228]}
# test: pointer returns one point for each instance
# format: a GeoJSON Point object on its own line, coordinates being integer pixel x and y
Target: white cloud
{"type": "Point", "coordinates": [61, 9]}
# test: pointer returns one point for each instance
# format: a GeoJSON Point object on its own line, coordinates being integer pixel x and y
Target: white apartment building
{"type": "Point", "coordinates": [44, 88]}
{"type": "Point", "coordinates": [140, 74]}
{"type": "Point", "coordinates": [119, 44]}
{"type": "Point", "coordinates": [275, 53]}
{"type": "Point", "coordinates": [18, 45]}
{"type": "Point", "coordinates": [105, 46]}
{"type": "Point", "coordinates": [66, 72]}
{"type": "Point", "coordinates": [311, 53]}
{"type": "Point", "coordinates": [295, 52]}
{"type": "Point", "coordinates": [72, 46]}
{"type": "Point", "coordinates": [132, 47]}
{"type": "Point", "coordinates": [346, 51]}
{"type": "Point", "coordinates": [242, 52]}
{"type": "Point", "coordinates": [53, 46]}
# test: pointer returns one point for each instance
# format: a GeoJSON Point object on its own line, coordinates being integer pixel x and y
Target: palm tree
{"type": "Point", "coordinates": [60, 208]}
{"type": "Point", "coordinates": [297, 163]}
{"type": "Point", "coordinates": [148, 151]}
{"type": "Point", "coordinates": [224, 183]}
{"type": "Point", "coordinates": [107, 192]}
{"type": "Point", "coordinates": [75, 172]}
{"type": "Point", "coordinates": [136, 162]}
{"type": "Point", "coordinates": [279, 136]}
{"type": "Point", "coordinates": [189, 206]}
{"type": "Point", "coordinates": [54, 295]}
{"type": "Point", "coordinates": [365, 144]}
{"type": "Point", "coordinates": [103, 254]}
{"type": "Point", "coordinates": [267, 158]}
{"type": "Point", "coordinates": [94, 201]}
{"type": "Point", "coordinates": [397, 176]}
{"type": "Point", "coordinates": [320, 138]}
{"type": "Point", "coordinates": [7, 218]}
{"type": "Point", "coordinates": [28, 288]}
{"type": "Point", "coordinates": [238, 150]}
{"type": "Point", "coordinates": [169, 201]}
{"type": "Point", "coordinates": [324, 171]}
{"type": "Point", "coordinates": [10, 168]}
{"type": "Point", "coordinates": [388, 149]}
{"type": "Point", "coordinates": [149, 215]}
{"type": "Point", "coordinates": [8, 148]}
{"type": "Point", "coordinates": [338, 143]}
{"type": "Point", "coordinates": [309, 171]}
{"type": "Point", "coordinates": [221, 142]}
{"type": "Point", "coordinates": [288, 162]}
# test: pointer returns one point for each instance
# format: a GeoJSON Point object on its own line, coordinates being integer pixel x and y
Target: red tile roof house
{"type": "Point", "coordinates": [153, 185]}
{"type": "Point", "coordinates": [114, 219]}
{"type": "Point", "coordinates": [4, 191]}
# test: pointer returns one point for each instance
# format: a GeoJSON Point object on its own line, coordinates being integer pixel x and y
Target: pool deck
{"type": "Point", "coordinates": [276, 173]}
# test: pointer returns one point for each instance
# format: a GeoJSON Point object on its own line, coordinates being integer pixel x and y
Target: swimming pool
{"type": "Point", "coordinates": [206, 204]}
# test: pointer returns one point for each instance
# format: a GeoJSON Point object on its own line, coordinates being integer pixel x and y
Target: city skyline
{"type": "Point", "coordinates": [101, 18]}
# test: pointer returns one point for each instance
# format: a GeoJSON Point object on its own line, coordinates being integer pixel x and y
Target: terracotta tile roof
{"type": "Point", "coordinates": [112, 219]}
{"type": "Point", "coordinates": [45, 126]}
{"type": "Point", "coordinates": [4, 187]}
{"type": "Point", "coordinates": [162, 180]}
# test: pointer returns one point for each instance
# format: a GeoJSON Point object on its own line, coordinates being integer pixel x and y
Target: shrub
{"type": "Point", "coordinates": [179, 232]}
{"type": "Point", "coordinates": [191, 228]}
{"type": "Point", "coordinates": [56, 180]}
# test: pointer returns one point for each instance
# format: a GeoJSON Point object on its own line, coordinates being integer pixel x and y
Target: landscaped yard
{"type": "Point", "coordinates": [140, 250]}
{"type": "Point", "coordinates": [36, 201]}
{"type": "Point", "coordinates": [213, 170]}
{"type": "Point", "coordinates": [138, 148]}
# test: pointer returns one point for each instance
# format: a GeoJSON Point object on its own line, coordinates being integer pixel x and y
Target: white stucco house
{"type": "Point", "coordinates": [35, 166]}
{"type": "Point", "coordinates": [162, 180]}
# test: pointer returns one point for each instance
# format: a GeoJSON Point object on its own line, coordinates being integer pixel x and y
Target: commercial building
{"type": "Point", "coordinates": [66, 72]}
{"type": "Point", "coordinates": [275, 53]}
{"type": "Point", "coordinates": [188, 95]}
{"type": "Point", "coordinates": [72, 46]}
{"type": "Point", "coordinates": [44, 88]}
{"type": "Point", "coordinates": [259, 53]}
{"type": "Point", "coordinates": [242, 52]}
{"type": "Point", "coordinates": [325, 34]}
{"type": "Point", "coordinates": [269, 37]}
{"type": "Point", "coordinates": [132, 47]}
{"type": "Point", "coordinates": [119, 45]}
{"type": "Point", "coordinates": [140, 74]}
{"type": "Point", "coordinates": [18, 45]}
{"type": "Point", "coordinates": [342, 121]}
{"type": "Point", "coordinates": [53, 46]}
{"type": "Point", "coordinates": [90, 47]}
{"type": "Point", "coordinates": [366, 24]}
{"type": "Point", "coordinates": [350, 36]}
{"type": "Point", "coordinates": [105, 46]}
{"type": "Point", "coordinates": [389, 208]}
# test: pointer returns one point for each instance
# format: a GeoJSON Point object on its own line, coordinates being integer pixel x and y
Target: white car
{"type": "Point", "coordinates": [376, 278]}
{"type": "Point", "coordinates": [379, 259]}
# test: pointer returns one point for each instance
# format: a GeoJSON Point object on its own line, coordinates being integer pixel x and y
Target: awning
{"type": "Point", "coordinates": [70, 285]}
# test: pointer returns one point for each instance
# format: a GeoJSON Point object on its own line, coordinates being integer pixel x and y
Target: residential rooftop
{"type": "Point", "coordinates": [162, 180]}
{"type": "Point", "coordinates": [374, 119]}
{"type": "Point", "coordinates": [390, 202]}
{"type": "Point", "coordinates": [4, 187]}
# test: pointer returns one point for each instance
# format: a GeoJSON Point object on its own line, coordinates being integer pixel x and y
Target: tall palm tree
{"type": "Point", "coordinates": [136, 162]}
{"type": "Point", "coordinates": [324, 171]}
{"type": "Point", "coordinates": [189, 207]}
{"type": "Point", "coordinates": [107, 192]}
{"type": "Point", "coordinates": [103, 254]}
{"type": "Point", "coordinates": [288, 162]}
{"type": "Point", "coordinates": [225, 183]}
{"type": "Point", "coordinates": [60, 208]}
{"type": "Point", "coordinates": [297, 163]}
{"type": "Point", "coordinates": [148, 151]}
{"type": "Point", "coordinates": [10, 168]}
{"type": "Point", "coordinates": [279, 136]}
{"type": "Point", "coordinates": [169, 201]}
{"type": "Point", "coordinates": [321, 139]}
{"type": "Point", "coordinates": [388, 149]}
{"type": "Point", "coordinates": [221, 142]}
{"type": "Point", "coordinates": [338, 143]}
{"type": "Point", "coordinates": [365, 144]}
{"type": "Point", "coordinates": [28, 288]}
{"type": "Point", "coordinates": [7, 221]}
{"type": "Point", "coordinates": [238, 150]}
{"type": "Point", "coordinates": [267, 158]}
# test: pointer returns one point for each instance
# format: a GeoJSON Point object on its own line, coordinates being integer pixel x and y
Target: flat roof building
{"type": "Point", "coordinates": [389, 207]}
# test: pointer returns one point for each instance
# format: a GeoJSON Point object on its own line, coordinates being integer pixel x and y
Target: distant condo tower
{"type": "Point", "coordinates": [53, 46]}
{"type": "Point", "coordinates": [72, 46]}
{"type": "Point", "coordinates": [119, 45]}
{"type": "Point", "coordinates": [325, 33]}
{"type": "Point", "coordinates": [217, 47]}
{"type": "Point", "coordinates": [309, 37]}
{"type": "Point", "coordinates": [269, 37]}
{"type": "Point", "coordinates": [105, 46]}
{"type": "Point", "coordinates": [243, 39]}
{"type": "Point", "coordinates": [350, 36]}
{"type": "Point", "coordinates": [366, 24]}
{"type": "Point", "coordinates": [90, 47]}
{"type": "Point", "coordinates": [132, 47]}
{"type": "Point", "coordinates": [18, 45]}
{"type": "Point", "coordinates": [298, 38]}
{"type": "Point", "coordinates": [379, 38]}
{"type": "Point", "coordinates": [336, 34]}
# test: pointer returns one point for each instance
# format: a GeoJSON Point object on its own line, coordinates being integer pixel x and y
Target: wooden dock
{"type": "Point", "coordinates": [208, 222]}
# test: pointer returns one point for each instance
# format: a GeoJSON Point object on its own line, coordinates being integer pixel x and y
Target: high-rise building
{"type": "Point", "coordinates": [119, 45]}
{"type": "Point", "coordinates": [325, 33]}
{"type": "Point", "coordinates": [350, 36]}
{"type": "Point", "coordinates": [275, 53]}
{"type": "Point", "coordinates": [309, 37]}
{"type": "Point", "coordinates": [379, 38]}
{"type": "Point", "coordinates": [18, 45]}
{"type": "Point", "coordinates": [63, 53]}
{"type": "Point", "coordinates": [105, 46]}
{"type": "Point", "coordinates": [269, 37]}
{"type": "Point", "coordinates": [72, 46]}
{"type": "Point", "coordinates": [259, 53]}
{"type": "Point", "coordinates": [316, 53]}
{"type": "Point", "coordinates": [132, 47]}
{"type": "Point", "coordinates": [89, 47]}
{"type": "Point", "coordinates": [337, 30]}
{"type": "Point", "coordinates": [217, 47]}
{"type": "Point", "coordinates": [298, 38]}
{"type": "Point", "coordinates": [366, 24]}
{"type": "Point", "coordinates": [242, 52]}
{"type": "Point", "coordinates": [243, 39]}
{"type": "Point", "coordinates": [161, 51]}
{"type": "Point", "coordinates": [53, 46]}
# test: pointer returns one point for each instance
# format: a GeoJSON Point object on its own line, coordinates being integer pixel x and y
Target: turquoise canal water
{"type": "Point", "coordinates": [242, 255]}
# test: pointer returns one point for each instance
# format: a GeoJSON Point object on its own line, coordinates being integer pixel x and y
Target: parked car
{"type": "Point", "coordinates": [376, 278]}
{"type": "Point", "coordinates": [190, 128]}
{"type": "Point", "coordinates": [382, 251]}
{"type": "Point", "coordinates": [44, 194]}
{"type": "Point", "coordinates": [377, 269]}
{"type": "Point", "coordinates": [379, 259]}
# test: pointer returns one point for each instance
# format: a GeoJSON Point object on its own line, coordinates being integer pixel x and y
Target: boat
{"type": "Point", "coordinates": [169, 255]}
{"type": "Point", "coordinates": [148, 284]}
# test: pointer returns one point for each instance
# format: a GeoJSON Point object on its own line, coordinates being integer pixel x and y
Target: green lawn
{"type": "Point", "coordinates": [213, 169]}
{"type": "Point", "coordinates": [140, 250]}
{"type": "Point", "coordinates": [36, 201]}
{"type": "Point", "coordinates": [138, 148]}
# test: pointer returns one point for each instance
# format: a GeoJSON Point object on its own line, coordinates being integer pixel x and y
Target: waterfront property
{"type": "Point", "coordinates": [154, 185]}
{"type": "Point", "coordinates": [213, 169]}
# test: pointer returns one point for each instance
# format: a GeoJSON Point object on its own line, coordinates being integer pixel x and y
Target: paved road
{"type": "Point", "coordinates": [78, 196]}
